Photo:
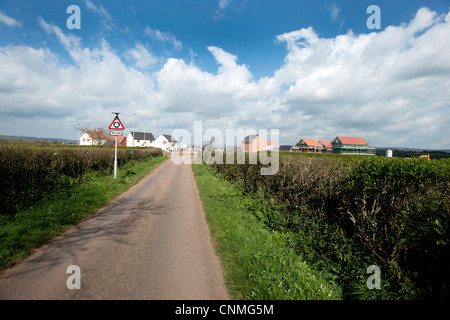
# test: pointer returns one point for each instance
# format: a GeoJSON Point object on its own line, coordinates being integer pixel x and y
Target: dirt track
{"type": "Point", "coordinates": [150, 243]}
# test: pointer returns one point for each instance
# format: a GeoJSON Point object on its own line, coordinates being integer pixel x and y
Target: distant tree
{"type": "Point", "coordinates": [97, 134]}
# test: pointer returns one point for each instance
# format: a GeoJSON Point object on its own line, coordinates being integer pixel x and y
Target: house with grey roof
{"type": "Point", "coordinates": [140, 139]}
{"type": "Point", "coordinates": [166, 142]}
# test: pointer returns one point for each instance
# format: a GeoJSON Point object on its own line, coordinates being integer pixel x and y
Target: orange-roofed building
{"type": "Point", "coordinates": [111, 141]}
{"type": "Point", "coordinates": [350, 145]}
{"type": "Point", "coordinates": [92, 138]}
{"type": "Point", "coordinates": [310, 145]}
{"type": "Point", "coordinates": [326, 146]}
{"type": "Point", "coordinates": [253, 143]}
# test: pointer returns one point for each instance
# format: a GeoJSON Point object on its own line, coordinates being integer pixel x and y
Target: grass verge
{"type": "Point", "coordinates": [258, 264]}
{"type": "Point", "coordinates": [28, 229]}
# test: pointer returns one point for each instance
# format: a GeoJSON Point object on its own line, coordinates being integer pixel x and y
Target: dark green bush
{"type": "Point", "coordinates": [352, 212]}
{"type": "Point", "coordinates": [399, 209]}
{"type": "Point", "coordinates": [30, 171]}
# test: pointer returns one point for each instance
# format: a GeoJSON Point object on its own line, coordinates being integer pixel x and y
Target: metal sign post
{"type": "Point", "coordinates": [115, 161]}
{"type": "Point", "coordinates": [116, 125]}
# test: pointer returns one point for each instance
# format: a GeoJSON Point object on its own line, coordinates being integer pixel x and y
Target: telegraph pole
{"type": "Point", "coordinates": [315, 138]}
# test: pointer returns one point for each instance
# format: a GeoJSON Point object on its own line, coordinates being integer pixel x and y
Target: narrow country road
{"type": "Point", "coordinates": [152, 242]}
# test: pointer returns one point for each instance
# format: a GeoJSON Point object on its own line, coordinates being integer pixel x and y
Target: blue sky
{"type": "Point", "coordinates": [289, 65]}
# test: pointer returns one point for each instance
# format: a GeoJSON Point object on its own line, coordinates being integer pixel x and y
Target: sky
{"type": "Point", "coordinates": [307, 68]}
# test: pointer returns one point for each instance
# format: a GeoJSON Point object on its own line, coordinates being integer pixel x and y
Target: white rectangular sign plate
{"type": "Point", "coordinates": [116, 133]}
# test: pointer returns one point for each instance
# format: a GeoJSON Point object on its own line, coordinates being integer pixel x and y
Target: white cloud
{"type": "Point", "coordinates": [10, 22]}
{"type": "Point", "coordinates": [380, 84]}
{"type": "Point", "coordinates": [186, 88]}
{"type": "Point", "coordinates": [334, 12]}
{"type": "Point", "coordinates": [132, 9]}
{"type": "Point", "coordinates": [99, 10]}
{"type": "Point", "coordinates": [227, 5]}
{"type": "Point", "coordinates": [141, 56]}
{"type": "Point", "coordinates": [391, 87]}
{"type": "Point", "coordinates": [222, 4]}
{"type": "Point", "coordinates": [69, 41]}
{"type": "Point", "coordinates": [229, 69]}
{"type": "Point", "coordinates": [35, 83]}
{"type": "Point", "coordinates": [164, 37]}
{"type": "Point", "coordinates": [107, 20]}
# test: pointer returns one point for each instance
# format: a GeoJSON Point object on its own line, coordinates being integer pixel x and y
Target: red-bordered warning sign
{"type": "Point", "coordinates": [116, 124]}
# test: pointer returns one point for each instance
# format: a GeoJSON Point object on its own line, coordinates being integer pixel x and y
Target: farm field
{"type": "Point", "coordinates": [47, 188]}
{"type": "Point", "coordinates": [343, 214]}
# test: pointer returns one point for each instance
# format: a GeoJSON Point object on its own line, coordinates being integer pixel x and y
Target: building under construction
{"type": "Point", "coordinates": [310, 145]}
{"type": "Point", "coordinates": [351, 145]}
{"type": "Point", "coordinates": [340, 145]}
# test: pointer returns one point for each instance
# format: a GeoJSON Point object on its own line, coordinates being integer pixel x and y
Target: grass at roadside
{"type": "Point", "coordinates": [27, 229]}
{"type": "Point", "coordinates": [258, 263]}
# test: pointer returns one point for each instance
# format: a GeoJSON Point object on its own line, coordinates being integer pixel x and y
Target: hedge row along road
{"type": "Point", "coordinates": [152, 242]}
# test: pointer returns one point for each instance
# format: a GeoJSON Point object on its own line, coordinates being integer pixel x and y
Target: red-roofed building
{"type": "Point", "coordinates": [111, 141]}
{"type": "Point", "coordinates": [310, 145]}
{"type": "Point", "coordinates": [253, 143]}
{"type": "Point", "coordinates": [350, 145]}
{"type": "Point", "coordinates": [326, 146]}
{"type": "Point", "coordinates": [92, 138]}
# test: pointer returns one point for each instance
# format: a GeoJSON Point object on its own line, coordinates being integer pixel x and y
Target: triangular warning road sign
{"type": "Point", "coordinates": [116, 124]}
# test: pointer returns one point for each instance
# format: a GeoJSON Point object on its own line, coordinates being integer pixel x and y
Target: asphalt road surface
{"type": "Point", "coordinates": [152, 242]}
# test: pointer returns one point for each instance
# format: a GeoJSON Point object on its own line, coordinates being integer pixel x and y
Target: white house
{"type": "Point", "coordinates": [140, 139]}
{"type": "Point", "coordinates": [92, 138]}
{"type": "Point", "coordinates": [165, 142]}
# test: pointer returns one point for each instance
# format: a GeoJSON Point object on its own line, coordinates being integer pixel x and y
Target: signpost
{"type": "Point", "coordinates": [116, 128]}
